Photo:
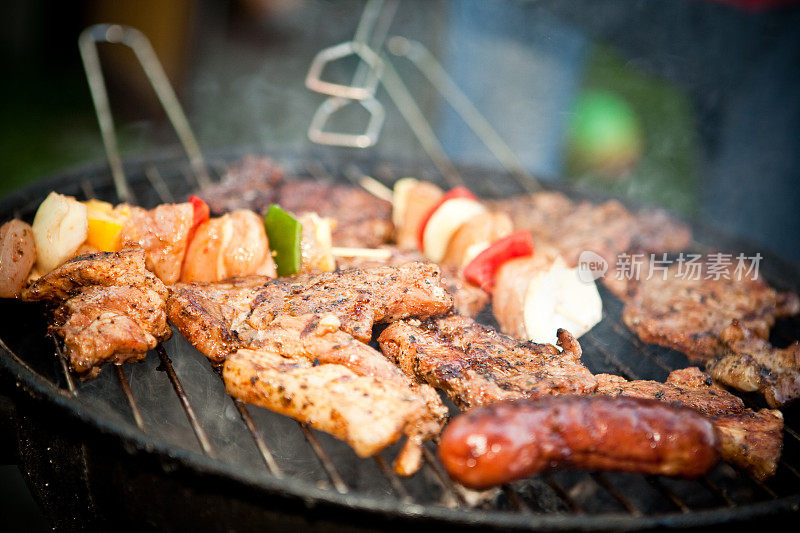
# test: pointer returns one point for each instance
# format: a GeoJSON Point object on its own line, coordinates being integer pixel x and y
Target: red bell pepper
{"type": "Point", "coordinates": [482, 269]}
{"type": "Point", "coordinates": [201, 211]}
{"type": "Point", "coordinates": [457, 192]}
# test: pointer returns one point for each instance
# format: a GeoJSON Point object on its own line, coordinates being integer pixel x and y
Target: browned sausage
{"type": "Point", "coordinates": [505, 441]}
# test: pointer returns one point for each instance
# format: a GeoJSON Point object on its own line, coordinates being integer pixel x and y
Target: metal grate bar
{"type": "Point", "coordinates": [394, 481]}
{"type": "Point", "coordinates": [263, 449]}
{"type": "Point", "coordinates": [199, 432]}
{"type": "Point", "coordinates": [629, 374]}
{"type": "Point", "coordinates": [602, 480]}
{"type": "Point", "coordinates": [515, 499]}
{"type": "Point", "coordinates": [660, 487]}
{"type": "Point", "coordinates": [703, 479]}
{"type": "Point", "coordinates": [324, 459]}
{"type": "Point", "coordinates": [562, 494]}
{"type": "Point", "coordinates": [88, 189]}
{"type": "Point", "coordinates": [716, 489]}
{"type": "Point", "coordinates": [62, 359]}
{"type": "Point", "coordinates": [126, 389]}
{"type": "Point", "coordinates": [155, 179]}
{"type": "Point", "coordinates": [247, 418]}
{"type": "Point", "coordinates": [622, 330]}
{"type": "Point", "coordinates": [454, 497]}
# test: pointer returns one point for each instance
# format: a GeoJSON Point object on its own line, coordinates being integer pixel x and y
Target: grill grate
{"type": "Point", "coordinates": [132, 393]}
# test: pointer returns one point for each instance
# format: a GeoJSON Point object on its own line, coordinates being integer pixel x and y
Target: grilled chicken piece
{"type": "Point", "coordinates": [749, 363]}
{"type": "Point", "coordinates": [255, 182]}
{"type": "Point", "coordinates": [111, 308]}
{"type": "Point", "coordinates": [232, 245]}
{"type": "Point", "coordinates": [475, 235]}
{"type": "Point", "coordinates": [468, 299]}
{"type": "Point", "coordinates": [163, 233]}
{"type": "Point", "coordinates": [689, 314]}
{"type": "Point", "coordinates": [354, 388]}
{"type": "Point", "coordinates": [506, 441]}
{"type": "Point", "coordinates": [221, 317]}
{"type": "Point", "coordinates": [752, 440]}
{"type": "Point", "coordinates": [476, 365]}
{"type": "Point", "coordinates": [368, 413]}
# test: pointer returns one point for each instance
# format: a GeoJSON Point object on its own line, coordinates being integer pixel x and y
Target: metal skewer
{"type": "Point", "coordinates": [136, 41]}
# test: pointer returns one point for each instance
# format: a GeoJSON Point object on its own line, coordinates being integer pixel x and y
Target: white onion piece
{"type": "Point", "coordinates": [557, 298]}
{"type": "Point", "coordinates": [444, 222]}
{"type": "Point", "coordinates": [59, 228]}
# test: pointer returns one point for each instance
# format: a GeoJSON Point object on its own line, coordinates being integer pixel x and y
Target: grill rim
{"type": "Point", "coordinates": [136, 441]}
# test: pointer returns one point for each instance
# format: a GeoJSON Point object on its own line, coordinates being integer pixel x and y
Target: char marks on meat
{"type": "Point", "coordinates": [307, 368]}
{"type": "Point", "coordinates": [163, 233]}
{"type": "Point", "coordinates": [468, 298]}
{"type": "Point", "coordinates": [362, 220]}
{"type": "Point", "coordinates": [749, 439]}
{"type": "Point", "coordinates": [111, 308]}
{"type": "Point", "coordinates": [749, 363]}
{"type": "Point", "coordinates": [221, 317]}
{"type": "Point", "coordinates": [476, 365]}
{"type": "Point", "coordinates": [688, 312]}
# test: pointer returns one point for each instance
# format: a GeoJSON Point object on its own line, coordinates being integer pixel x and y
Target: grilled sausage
{"type": "Point", "coordinates": [511, 440]}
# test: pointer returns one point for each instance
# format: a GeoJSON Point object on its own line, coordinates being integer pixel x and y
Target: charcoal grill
{"type": "Point", "coordinates": [159, 443]}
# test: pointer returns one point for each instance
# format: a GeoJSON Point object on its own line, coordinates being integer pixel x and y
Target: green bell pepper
{"type": "Point", "coordinates": [284, 232]}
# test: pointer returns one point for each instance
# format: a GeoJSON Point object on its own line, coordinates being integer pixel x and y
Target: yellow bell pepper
{"type": "Point", "coordinates": [105, 226]}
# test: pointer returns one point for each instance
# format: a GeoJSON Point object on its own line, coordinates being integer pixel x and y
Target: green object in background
{"type": "Point", "coordinates": [604, 134]}
{"type": "Point", "coordinates": [666, 171]}
{"type": "Point", "coordinates": [284, 233]}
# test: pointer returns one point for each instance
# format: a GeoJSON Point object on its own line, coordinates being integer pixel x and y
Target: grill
{"type": "Point", "coordinates": [160, 444]}
{"type": "Point", "coordinates": [173, 407]}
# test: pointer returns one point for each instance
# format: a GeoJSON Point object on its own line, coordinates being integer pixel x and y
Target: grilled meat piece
{"type": "Point", "coordinates": [362, 219]}
{"type": "Point", "coordinates": [571, 227]}
{"type": "Point", "coordinates": [506, 441]}
{"type": "Point", "coordinates": [249, 183]}
{"type": "Point", "coordinates": [468, 299]}
{"type": "Point", "coordinates": [476, 365]}
{"type": "Point", "coordinates": [656, 231]}
{"type": "Point", "coordinates": [749, 439]}
{"type": "Point", "coordinates": [213, 316]}
{"type": "Point", "coordinates": [749, 363]}
{"type": "Point", "coordinates": [607, 228]}
{"type": "Point", "coordinates": [126, 267]}
{"type": "Point", "coordinates": [688, 314]}
{"type": "Point", "coordinates": [112, 324]}
{"type": "Point", "coordinates": [221, 317]}
{"type": "Point", "coordinates": [232, 245]}
{"type": "Point", "coordinates": [313, 340]}
{"type": "Point", "coordinates": [163, 233]}
{"type": "Point", "coordinates": [368, 413]}
{"type": "Point", "coordinates": [111, 308]}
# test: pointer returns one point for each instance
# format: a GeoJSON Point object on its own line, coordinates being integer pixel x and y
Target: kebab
{"type": "Point", "coordinates": [535, 291]}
